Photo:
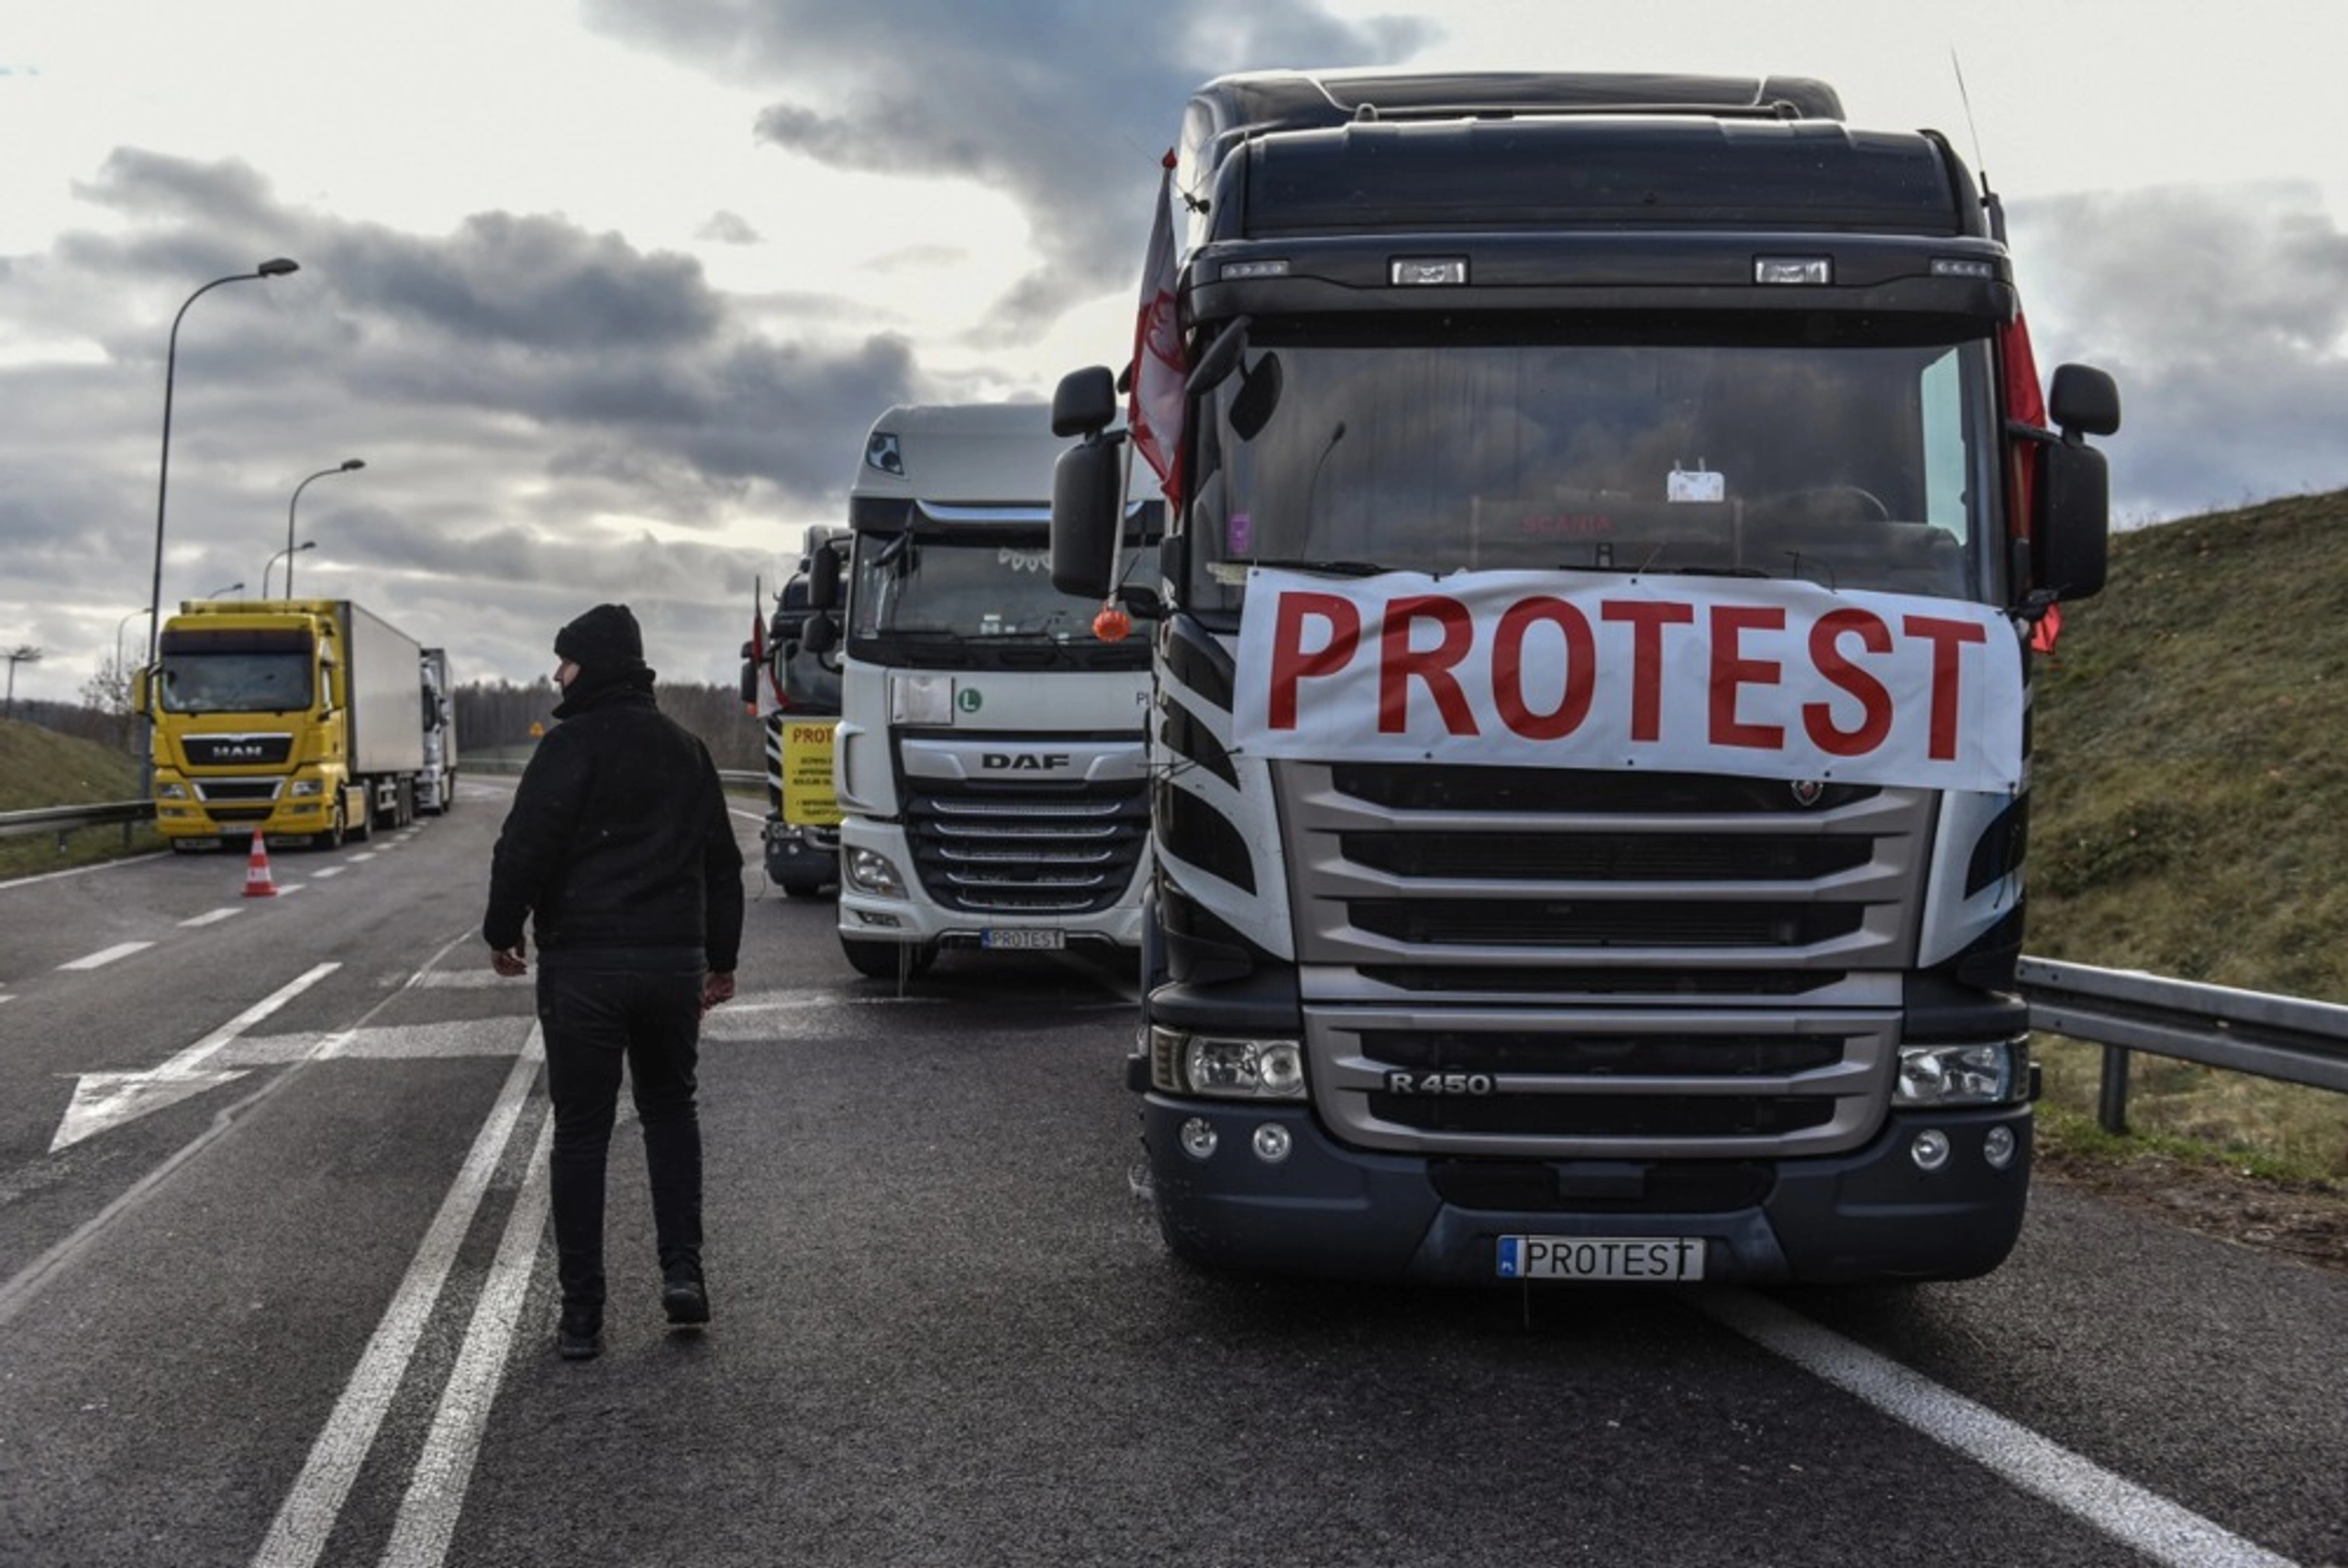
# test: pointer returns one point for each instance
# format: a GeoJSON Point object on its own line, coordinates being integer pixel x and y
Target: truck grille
{"type": "Point", "coordinates": [238, 750]}
{"type": "Point", "coordinates": [1044, 849]}
{"type": "Point", "coordinates": [1513, 963]}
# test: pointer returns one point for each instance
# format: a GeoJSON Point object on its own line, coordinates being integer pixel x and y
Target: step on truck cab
{"type": "Point", "coordinates": [989, 761]}
{"type": "Point", "coordinates": [1612, 516]}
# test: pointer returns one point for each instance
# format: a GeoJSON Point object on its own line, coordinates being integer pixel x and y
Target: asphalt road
{"type": "Point", "coordinates": [275, 1287]}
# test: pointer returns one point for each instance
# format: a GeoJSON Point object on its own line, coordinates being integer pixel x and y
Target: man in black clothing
{"type": "Point", "coordinates": [620, 850]}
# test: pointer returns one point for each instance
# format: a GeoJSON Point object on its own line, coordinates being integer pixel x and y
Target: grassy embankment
{"type": "Point", "coordinates": [2190, 811]}
{"type": "Point", "coordinates": [40, 768]}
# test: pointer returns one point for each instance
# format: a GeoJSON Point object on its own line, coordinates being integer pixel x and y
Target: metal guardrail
{"type": "Point", "coordinates": [2285, 1038]}
{"type": "Point", "coordinates": [64, 820]}
{"type": "Point", "coordinates": [731, 777]}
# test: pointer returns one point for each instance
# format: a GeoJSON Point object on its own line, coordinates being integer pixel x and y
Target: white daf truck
{"type": "Point", "coordinates": [989, 755]}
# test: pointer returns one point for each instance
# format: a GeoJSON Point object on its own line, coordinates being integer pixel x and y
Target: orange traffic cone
{"type": "Point", "coordinates": [257, 884]}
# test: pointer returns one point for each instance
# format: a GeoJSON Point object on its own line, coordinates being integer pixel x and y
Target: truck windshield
{"type": "Point", "coordinates": [978, 587]}
{"type": "Point", "coordinates": [223, 682]}
{"type": "Point", "coordinates": [1852, 465]}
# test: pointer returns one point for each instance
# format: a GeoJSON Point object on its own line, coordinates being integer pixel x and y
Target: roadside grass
{"type": "Point", "coordinates": [2196, 1116]}
{"type": "Point", "coordinates": [41, 767]}
{"type": "Point", "coordinates": [2190, 809]}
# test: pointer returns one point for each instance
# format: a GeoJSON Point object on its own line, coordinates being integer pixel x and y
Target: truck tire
{"type": "Point", "coordinates": [882, 960]}
{"type": "Point", "coordinates": [332, 838]}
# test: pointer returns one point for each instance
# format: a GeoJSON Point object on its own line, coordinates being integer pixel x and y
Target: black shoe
{"type": "Point", "coordinates": [683, 1294]}
{"type": "Point", "coordinates": [580, 1338]}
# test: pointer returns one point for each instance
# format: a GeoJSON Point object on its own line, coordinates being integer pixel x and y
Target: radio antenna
{"type": "Point", "coordinates": [1994, 208]}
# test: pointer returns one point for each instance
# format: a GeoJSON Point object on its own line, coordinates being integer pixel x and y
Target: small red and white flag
{"type": "Point", "coordinates": [1161, 362]}
{"type": "Point", "coordinates": [770, 698]}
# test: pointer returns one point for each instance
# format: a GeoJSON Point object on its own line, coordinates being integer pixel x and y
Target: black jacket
{"type": "Point", "coordinates": [619, 837]}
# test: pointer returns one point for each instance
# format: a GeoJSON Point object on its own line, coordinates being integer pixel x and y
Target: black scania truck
{"type": "Point", "coordinates": [1612, 519]}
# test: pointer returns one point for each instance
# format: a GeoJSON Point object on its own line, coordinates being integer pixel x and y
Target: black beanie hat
{"type": "Point", "coordinates": [603, 640]}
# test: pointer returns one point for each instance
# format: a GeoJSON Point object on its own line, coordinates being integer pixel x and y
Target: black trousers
{"type": "Point", "coordinates": [594, 1020]}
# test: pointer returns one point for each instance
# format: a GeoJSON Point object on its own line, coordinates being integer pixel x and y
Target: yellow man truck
{"type": "Point", "coordinates": [299, 719]}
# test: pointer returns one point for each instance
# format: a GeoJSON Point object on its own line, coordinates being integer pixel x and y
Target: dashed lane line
{"type": "Point", "coordinates": [104, 957]}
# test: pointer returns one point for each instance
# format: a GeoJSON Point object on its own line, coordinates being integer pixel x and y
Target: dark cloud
{"type": "Point", "coordinates": [504, 382]}
{"type": "Point", "coordinates": [1064, 106]}
{"type": "Point", "coordinates": [2222, 313]}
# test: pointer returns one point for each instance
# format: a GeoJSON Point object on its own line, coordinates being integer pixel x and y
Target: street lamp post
{"type": "Point", "coordinates": [118, 671]}
{"type": "Point", "coordinates": [347, 466]}
{"type": "Point", "coordinates": [25, 654]}
{"type": "Point", "coordinates": [284, 555]}
{"type": "Point", "coordinates": [276, 268]}
{"type": "Point", "coordinates": [232, 588]}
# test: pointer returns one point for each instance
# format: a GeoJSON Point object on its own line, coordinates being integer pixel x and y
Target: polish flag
{"type": "Point", "coordinates": [1161, 363]}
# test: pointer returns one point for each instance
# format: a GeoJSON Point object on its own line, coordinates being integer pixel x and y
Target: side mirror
{"type": "Point", "coordinates": [824, 578]}
{"type": "Point", "coordinates": [1086, 485]}
{"type": "Point", "coordinates": [749, 676]}
{"type": "Point", "coordinates": [1085, 402]}
{"type": "Point", "coordinates": [2070, 537]}
{"type": "Point", "coordinates": [820, 636]}
{"type": "Point", "coordinates": [139, 691]}
{"type": "Point", "coordinates": [2083, 401]}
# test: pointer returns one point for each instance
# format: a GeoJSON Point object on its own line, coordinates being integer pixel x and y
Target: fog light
{"type": "Point", "coordinates": [1271, 1143]}
{"type": "Point", "coordinates": [1930, 1151]}
{"type": "Point", "coordinates": [1198, 1137]}
{"type": "Point", "coordinates": [1998, 1148]}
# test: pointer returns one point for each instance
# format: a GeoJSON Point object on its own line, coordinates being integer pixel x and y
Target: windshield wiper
{"type": "Point", "coordinates": [1327, 568]}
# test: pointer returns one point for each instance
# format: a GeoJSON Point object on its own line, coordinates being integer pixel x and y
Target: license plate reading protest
{"type": "Point", "coordinates": [1023, 939]}
{"type": "Point", "coordinates": [1621, 1258]}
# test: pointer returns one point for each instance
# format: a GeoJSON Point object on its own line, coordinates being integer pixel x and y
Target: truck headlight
{"type": "Point", "coordinates": [171, 792]}
{"type": "Point", "coordinates": [1220, 1067]}
{"type": "Point", "coordinates": [305, 788]}
{"type": "Point", "coordinates": [868, 871]}
{"type": "Point", "coordinates": [1975, 1074]}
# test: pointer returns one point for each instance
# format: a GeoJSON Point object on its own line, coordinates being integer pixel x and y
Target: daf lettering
{"type": "Point", "coordinates": [1024, 761]}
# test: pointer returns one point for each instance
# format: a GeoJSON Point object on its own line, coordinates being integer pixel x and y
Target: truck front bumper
{"type": "Point", "coordinates": [867, 916]}
{"type": "Point", "coordinates": [1328, 1210]}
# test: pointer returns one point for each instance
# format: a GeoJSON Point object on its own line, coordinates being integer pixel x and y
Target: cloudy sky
{"type": "Point", "coordinates": [605, 293]}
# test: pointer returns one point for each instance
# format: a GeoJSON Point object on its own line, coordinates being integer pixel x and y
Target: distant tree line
{"type": "Point", "coordinates": [497, 719]}
{"type": "Point", "coordinates": [494, 718]}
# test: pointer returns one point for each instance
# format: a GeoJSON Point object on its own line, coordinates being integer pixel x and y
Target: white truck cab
{"type": "Point", "coordinates": [990, 760]}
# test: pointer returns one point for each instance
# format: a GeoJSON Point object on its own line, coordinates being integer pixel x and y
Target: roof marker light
{"type": "Point", "coordinates": [1796, 269]}
{"type": "Point", "coordinates": [1428, 272]}
{"type": "Point", "coordinates": [1955, 267]}
{"type": "Point", "coordinates": [1274, 268]}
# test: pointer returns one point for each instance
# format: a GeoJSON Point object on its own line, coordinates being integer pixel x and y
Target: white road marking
{"type": "Point", "coordinates": [392, 1043]}
{"type": "Point", "coordinates": [85, 871]}
{"type": "Point", "coordinates": [101, 959]}
{"type": "Point", "coordinates": [106, 1099]}
{"type": "Point", "coordinates": [212, 917]}
{"type": "Point", "coordinates": [2161, 1531]}
{"type": "Point", "coordinates": [435, 1491]}
{"type": "Point", "coordinates": [364, 855]}
{"type": "Point", "coordinates": [298, 1535]}
{"type": "Point", "coordinates": [321, 874]}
